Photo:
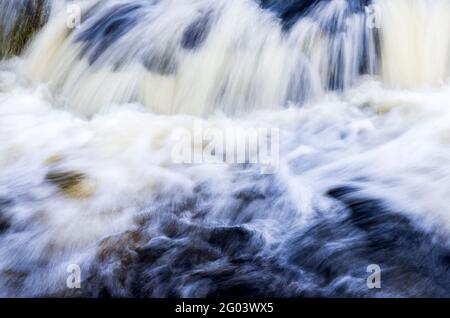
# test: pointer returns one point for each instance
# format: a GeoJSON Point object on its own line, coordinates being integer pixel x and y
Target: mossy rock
{"type": "Point", "coordinates": [28, 17]}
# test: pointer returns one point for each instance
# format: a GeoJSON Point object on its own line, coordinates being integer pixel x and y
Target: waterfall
{"type": "Point", "coordinates": [415, 42]}
{"type": "Point", "coordinates": [217, 148]}
{"type": "Point", "coordinates": [200, 56]}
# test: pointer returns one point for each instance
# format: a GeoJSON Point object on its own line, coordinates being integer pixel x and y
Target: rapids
{"type": "Point", "coordinates": [358, 90]}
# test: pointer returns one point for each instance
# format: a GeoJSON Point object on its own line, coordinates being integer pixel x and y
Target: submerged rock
{"type": "Point", "coordinates": [4, 220]}
{"type": "Point", "coordinates": [73, 184]}
{"type": "Point", "coordinates": [107, 29]}
{"type": "Point", "coordinates": [53, 160]}
{"type": "Point", "coordinates": [289, 11]}
{"type": "Point", "coordinates": [197, 32]}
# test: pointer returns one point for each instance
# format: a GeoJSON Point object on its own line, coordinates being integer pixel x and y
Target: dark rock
{"type": "Point", "coordinates": [197, 32]}
{"type": "Point", "coordinates": [5, 223]}
{"type": "Point", "coordinates": [107, 29]}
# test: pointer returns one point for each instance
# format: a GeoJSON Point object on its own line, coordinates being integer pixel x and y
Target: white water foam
{"type": "Point", "coordinates": [392, 143]}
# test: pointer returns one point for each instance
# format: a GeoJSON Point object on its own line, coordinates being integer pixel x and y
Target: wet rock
{"type": "Point", "coordinates": [5, 223]}
{"type": "Point", "coordinates": [13, 279]}
{"type": "Point", "coordinates": [290, 11]}
{"type": "Point", "coordinates": [236, 240]}
{"type": "Point", "coordinates": [108, 29]}
{"type": "Point", "coordinates": [363, 231]}
{"type": "Point", "coordinates": [73, 184]}
{"type": "Point", "coordinates": [197, 32]}
{"type": "Point", "coordinates": [54, 159]}
{"type": "Point", "coordinates": [172, 255]}
{"type": "Point", "coordinates": [163, 63]}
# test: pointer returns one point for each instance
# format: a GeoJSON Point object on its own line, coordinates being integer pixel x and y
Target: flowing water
{"type": "Point", "coordinates": [358, 90]}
